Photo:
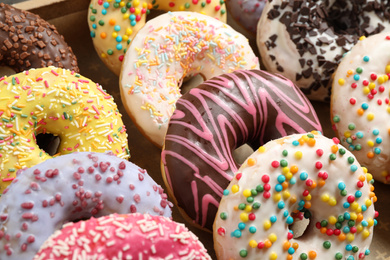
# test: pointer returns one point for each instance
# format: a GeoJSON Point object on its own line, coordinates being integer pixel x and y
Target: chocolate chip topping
{"type": "Point", "coordinates": [27, 41]}
{"type": "Point", "coordinates": [339, 25]}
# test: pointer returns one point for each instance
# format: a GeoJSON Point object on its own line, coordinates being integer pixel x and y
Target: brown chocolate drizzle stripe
{"type": "Point", "coordinates": [345, 21]}
{"type": "Point", "coordinates": [215, 118]}
{"type": "Point", "coordinates": [27, 41]}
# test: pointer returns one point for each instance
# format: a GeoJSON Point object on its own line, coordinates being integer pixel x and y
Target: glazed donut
{"type": "Point", "coordinates": [305, 40]}
{"type": "Point", "coordinates": [305, 173]}
{"type": "Point", "coordinates": [131, 236]}
{"type": "Point", "coordinates": [246, 13]}
{"type": "Point", "coordinates": [214, 119]}
{"type": "Point", "coordinates": [27, 41]}
{"type": "Point", "coordinates": [113, 24]}
{"type": "Point", "coordinates": [68, 188]}
{"type": "Point", "coordinates": [169, 48]}
{"type": "Point", "coordinates": [360, 104]}
{"type": "Point", "coordinates": [59, 102]}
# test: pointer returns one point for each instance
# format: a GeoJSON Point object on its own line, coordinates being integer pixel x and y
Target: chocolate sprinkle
{"type": "Point", "coordinates": [26, 38]}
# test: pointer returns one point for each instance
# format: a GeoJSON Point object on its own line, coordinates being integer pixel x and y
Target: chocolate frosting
{"type": "Point", "coordinates": [27, 41]}
{"type": "Point", "coordinates": [217, 117]}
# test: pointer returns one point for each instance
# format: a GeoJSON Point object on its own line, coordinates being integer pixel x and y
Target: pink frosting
{"type": "Point", "coordinates": [130, 236]}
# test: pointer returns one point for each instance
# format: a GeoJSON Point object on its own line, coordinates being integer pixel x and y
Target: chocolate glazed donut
{"type": "Point", "coordinates": [27, 41]}
{"type": "Point", "coordinates": [214, 119]}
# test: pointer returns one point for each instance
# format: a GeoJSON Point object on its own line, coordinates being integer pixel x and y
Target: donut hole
{"type": "Point", "coordinates": [300, 227]}
{"type": "Point", "coordinates": [48, 143]}
{"type": "Point", "coordinates": [241, 153]}
{"type": "Point", "coordinates": [191, 82]}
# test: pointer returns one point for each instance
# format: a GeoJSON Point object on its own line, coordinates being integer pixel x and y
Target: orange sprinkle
{"type": "Point", "coordinates": [285, 185]}
{"type": "Point", "coordinates": [293, 199]}
{"type": "Point", "coordinates": [323, 230]}
{"type": "Point", "coordinates": [370, 155]}
{"type": "Point", "coordinates": [362, 178]}
{"type": "Point", "coordinates": [295, 245]}
{"type": "Point", "coordinates": [321, 183]}
{"type": "Point", "coordinates": [360, 111]}
{"type": "Point", "coordinates": [311, 142]}
{"type": "Point", "coordinates": [286, 245]}
{"type": "Point", "coordinates": [251, 161]}
{"type": "Point", "coordinates": [334, 148]}
{"type": "Point", "coordinates": [267, 243]}
{"type": "Point", "coordinates": [342, 237]}
{"type": "Point", "coordinates": [112, 21]}
{"type": "Point", "coordinates": [301, 141]}
{"type": "Point", "coordinates": [312, 254]}
{"type": "Point", "coordinates": [314, 185]}
{"type": "Point", "coordinates": [307, 205]}
{"type": "Point", "coordinates": [294, 169]}
{"type": "Point", "coordinates": [103, 35]}
{"type": "Point", "coordinates": [289, 257]}
{"type": "Point", "coordinates": [374, 199]}
{"type": "Point", "coordinates": [359, 217]}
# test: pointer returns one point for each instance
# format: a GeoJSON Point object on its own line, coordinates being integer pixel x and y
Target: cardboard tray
{"type": "Point", "coordinates": [70, 18]}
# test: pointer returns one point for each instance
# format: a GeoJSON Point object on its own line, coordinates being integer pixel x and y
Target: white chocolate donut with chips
{"type": "Point", "coordinates": [167, 49]}
{"type": "Point", "coordinates": [305, 174]}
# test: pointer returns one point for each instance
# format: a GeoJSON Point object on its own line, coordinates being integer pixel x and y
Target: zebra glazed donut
{"type": "Point", "coordinates": [27, 41]}
{"type": "Point", "coordinates": [113, 24]}
{"type": "Point", "coordinates": [305, 40]}
{"type": "Point", "coordinates": [131, 236]}
{"type": "Point", "coordinates": [167, 49]}
{"type": "Point", "coordinates": [68, 188]}
{"type": "Point", "coordinates": [214, 119]}
{"type": "Point", "coordinates": [360, 104]}
{"type": "Point", "coordinates": [59, 102]}
{"type": "Point", "coordinates": [303, 173]}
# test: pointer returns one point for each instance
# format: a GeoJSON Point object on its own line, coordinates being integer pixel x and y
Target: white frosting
{"type": "Point", "coordinates": [169, 48]}
{"type": "Point", "coordinates": [361, 119]}
{"type": "Point", "coordinates": [273, 217]}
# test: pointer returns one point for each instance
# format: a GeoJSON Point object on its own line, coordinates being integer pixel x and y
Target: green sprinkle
{"type": "Point", "coordinates": [16, 108]}
{"type": "Point", "coordinates": [332, 157]}
{"type": "Point", "coordinates": [351, 160]}
{"type": "Point", "coordinates": [243, 253]}
{"type": "Point", "coordinates": [326, 244]}
{"type": "Point", "coordinates": [223, 215]}
{"type": "Point", "coordinates": [336, 119]}
{"type": "Point", "coordinates": [285, 153]}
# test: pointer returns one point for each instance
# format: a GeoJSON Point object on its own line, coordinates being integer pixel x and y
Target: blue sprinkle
{"type": "Point", "coordinates": [364, 208]}
{"type": "Point", "coordinates": [365, 106]}
{"type": "Point", "coordinates": [364, 223]}
{"type": "Point", "coordinates": [93, 34]}
{"type": "Point", "coordinates": [278, 187]}
{"type": "Point", "coordinates": [358, 194]}
{"type": "Point", "coordinates": [236, 233]}
{"type": "Point", "coordinates": [117, 28]}
{"type": "Point", "coordinates": [252, 229]}
{"type": "Point", "coordinates": [347, 216]}
{"type": "Point", "coordinates": [295, 143]}
{"type": "Point", "coordinates": [289, 220]}
{"type": "Point", "coordinates": [301, 203]}
{"type": "Point", "coordinates": [303, 176]}
{"type": "Point", "coordinates": [356, 77]}
{"type": "Point", "coordinates": [133, 23]}
{"type": "Point", "coordinates": [106, 5]}
{"type": "Point", "coordinates": [359, 135]}
{"type": "Point", "coordinates": [378, 140]}
{"type": "Point", "coordinates": [354, 168]}
{"type": "Point", "coordinates": [293, 180]}
{"type": "Point", "coordinates": [118, 38]}
{"type": "Point", "coordinates": [341, 186]}
{"type": "Point", "coordinates": [104, 12]}
{"type": "Point", "coordinates": [94, 26]}
{"type": "Point", "coordinates": [348, 247]}
{"type": "Point", "coordinates": [291, 250]}
{"type": "Point", "coordinates": [273, 219]}
{"type": "Point", "coordinates": [285, 213]}
{"type": "Point", "coordinates": [346, 230]}
{"type": "Point", "coordinates": [119, 47]}
{"type": "Point", "coordinates": [349, 140]}
{"type": "Point", "coordinates": [375, 222]}
{"type": "Point", "coordinates": [281, 178]}
{"type": "Point", "coordinates": [367, 252]}
{"type": "Point", "coordinates": [241, 226]}
{"type": "Point", "coordinates": [366, 58]}
{"type": "Point", "coordinates": [351, 257]}
{"type": "Point", "coordinates": [281, 204]}
{"type": "Point", "coordinates": [226, 192]}
{"type": "Point", "coordinates": [346, 205]}
{"type": "Point", "coordinates": [132, 17]}
{"type": "Point", "coordinates": [375, 132]}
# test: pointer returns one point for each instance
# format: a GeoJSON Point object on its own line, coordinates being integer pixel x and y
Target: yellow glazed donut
{"type": "Point", "coordinates": [169, 48]}
{"type": "Point", "coordinates": [360, 103]}
{"type": "Point", "coordinates": [302, 175]}
{"type": "Point", "coordinates": [59, 102]}
{"type": "Point", "coordinates": [114, 23]}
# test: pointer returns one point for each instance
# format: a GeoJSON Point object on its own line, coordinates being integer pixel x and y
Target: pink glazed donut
{"type": "Point", "coordinates": [129, 236]}
{"type": "Point", "coordinates": [68, 188]}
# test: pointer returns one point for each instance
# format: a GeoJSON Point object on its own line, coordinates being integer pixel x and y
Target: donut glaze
{"type": "Point", "coordinates": [113, 25]}
{"type": "Point", "coordinates": [59, 102]}
{"type": "Point", "coordinates": [305, 40]}
{"type": "Point", "coordinates": [27, 41]}
{"type": "Point", "coordinates": [167, 49]}
{"type": "Point", "coordinates": [217, 117]}
{"type": "Point", "coordinates": [247, 13]}
{"type": "Point", "coordinates": [307, 174]}
{"type": "Point", "coordinates": [360, 104]}
{"type": "Point", "coordinates": [68, 188]}
{"type": "Point", "coordinates": [130, 236]}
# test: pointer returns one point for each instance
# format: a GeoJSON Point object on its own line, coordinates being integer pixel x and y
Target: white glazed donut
{"type": "Point", "coordinates": [305, 40]}
{"type": "Point", "coordinates": [305, 174]}
{"type": "Point", "coordinates": [360, 104]}
{"type": "Point", "coordinates": [127, 236]}
{"type": "Point", "coordinates": [167, 49]}
{"type": "Point", "coordinates": [68, 188]}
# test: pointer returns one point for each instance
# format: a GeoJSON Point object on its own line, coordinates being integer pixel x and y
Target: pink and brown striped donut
{"type": "Point", "coordinates": [212, 120]}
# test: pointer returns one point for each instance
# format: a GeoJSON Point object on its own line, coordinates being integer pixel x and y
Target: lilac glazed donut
{"type": "Point", "coordinates": [212, 120]}
{"type": "Point", "coordinates": [68, 188]}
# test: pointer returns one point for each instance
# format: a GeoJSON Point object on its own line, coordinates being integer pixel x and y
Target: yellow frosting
{"type": "Point", "coordinates": [60, 102]}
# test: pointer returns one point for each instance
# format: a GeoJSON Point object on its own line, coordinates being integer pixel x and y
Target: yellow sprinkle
{"type": "Point", "coordinates": [354, 205]}
{"type": "Point", "coordinates": [388, 110]}
{"type": "Point", "coordinates": [244, 217]}
{"type": "Point", "coordinates": [325, 197]}
{"type": "Point", "coordinates": [332, 220]}
{"type": "Point", "coordinates": [359, 228]}
{"type": "Point", "coordinates": [285, 170]}
{"type": "Point", "coordinates": [368, 202]}
{"type": "Point", "coordinates": [381, 79]}
{"type": "Point", "coordinates": [372, 85]}
{"type": "Point", "coordinates": [181, 8]}
{"type": "Point", "coordinates": [387, 69]}
{"type": "Point", "coordinates": [261, 149]}
{"type": "Point", "coordinates": [273, 256]}
{"type": "Point", "coordinates": [368, 175]}
{"type": "Point", "coordinates": [251, 162]}
{"type": "Point", "coordinates": [370, 143]}
{"type": "Point", "coordinates": [129, 31]}
{"type": "Point", "coordinates": [103, 55]}
{"type": "Point", "coordinates": [298, 155]}
{"type": "Point", "coordinates": [362, 38]}
{"type": "Point", "coordinates": [235, 188]}
{"type": "Point", "coordinates": [341, 81]}
{"type": "Point", "coordinates": [272, 237]}
{"type": "Point", "coordinates": [277, 197]}
{"type": "Point", "coordinates": [247, 193]}
{"type": "Point", "coordinates": [366, 90]}
{"type": "Point", "coordinates": [370, 222]}
{"type": "Point", "coordinates": [365, 233]}
{"type": "Point", "coordinates": [126, 16]}
{"type": "Point", "coordinates": [350, 237]}
{"type": "Point", "coordinates": [248, 208]}
{"type": "Point", "coordinates": [267, 224]}
{"type": "Point", "coordinates": [288, 175]}
{"type": "Point", "coordinates": [122, 4]}
{"type": "Point", "coordinates": [114, 34]}
{"type": "Point", "coordinates": [135, 3]}
{"type": "Point", "coordinates": [253, 243]}
{"type": "Point", "coordinates": [332, 202]}
{"type": "Point", "coordinates": [347, 134]}
{"type": "Point", "coordinates": [370, 116]}
{"type": "Point", "coordinates": [353, 216]}
{"type": "Point", "coordinates": [286, 194]}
